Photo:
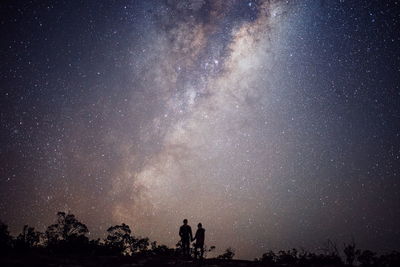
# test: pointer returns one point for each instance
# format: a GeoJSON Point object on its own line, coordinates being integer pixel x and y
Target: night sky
{"type": "Point", "coordinates": [274, 123]}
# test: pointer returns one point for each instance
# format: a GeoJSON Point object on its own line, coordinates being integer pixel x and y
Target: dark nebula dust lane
{"type": "Point", "coordinates": [274, 123]}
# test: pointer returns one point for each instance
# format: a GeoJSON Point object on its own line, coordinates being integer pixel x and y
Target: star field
{"type": "Point", "coordinates": [274, 123]}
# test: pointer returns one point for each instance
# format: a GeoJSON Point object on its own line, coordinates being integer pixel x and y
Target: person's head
{"type": "Point", "coordinates": [185, 221]}
{"type": "Point", "coordinates": [199, 225]}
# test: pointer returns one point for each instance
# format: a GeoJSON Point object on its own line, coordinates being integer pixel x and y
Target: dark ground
{"type": "Point", "coordinates": [117, 261]}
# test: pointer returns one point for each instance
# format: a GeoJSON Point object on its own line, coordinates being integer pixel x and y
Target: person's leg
{"type": "Point", "coordinates": [183, 247]}
{"type": "Point", "coordinates": [201, 251]}
{"type": "Point", "coordinates": [186, 247]}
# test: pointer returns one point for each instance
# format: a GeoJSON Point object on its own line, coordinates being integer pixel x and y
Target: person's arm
{"type": "Point", "coordinates": [180, 231]}
{"type": "Point", "coordinates": [190, 233]}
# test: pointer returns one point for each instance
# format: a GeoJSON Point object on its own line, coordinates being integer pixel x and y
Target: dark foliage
{"type": "Point", "coordinates": [227, 255]}
{"type": "Point", "coordinates": [351, 253]}
{"type": "Point", "coordinates": [120, 240]}
{"type": "Point", "coordinates": [66, 228]}
{"type": "Point", "coordinates": [68, 234]}
{"type": "Point", "coordinates": [162, 250]}
{"type": "Point", "coordinates": [28, 238]}
{"type": "Point", "coordinates": [294, 258]}
{"type": "Point", "coordinates": [66, 239]}
{"type": "Point", "coordinates": [5, 238]}
{"type": "Point", "coordinates": [365, 258]}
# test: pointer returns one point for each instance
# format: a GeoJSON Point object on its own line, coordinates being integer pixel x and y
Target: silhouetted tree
{"type": "Point", "coordinates": [119, 238]}
{"type": "Point", "coordinates": [329, 248]}
{"type": "Point", "coordinates": [228, 254]}
{"type": "Point", "coordinates": [68, 233]}
{"type": "Point", "coordinates": [5, 238]}
{"type": "Point", "coordinates": [351, 253]}
{"type": "Point", "coordinates": [28, 238]}
{"type": "Point", "coordinates": [139, 244]}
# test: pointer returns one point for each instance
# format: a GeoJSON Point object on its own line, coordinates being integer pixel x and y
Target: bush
{"type": "Point", "coordinates": [227, 255]}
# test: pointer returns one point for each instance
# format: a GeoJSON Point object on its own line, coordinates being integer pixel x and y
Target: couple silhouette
{"type": "Point", "coordinates": [185, 232]}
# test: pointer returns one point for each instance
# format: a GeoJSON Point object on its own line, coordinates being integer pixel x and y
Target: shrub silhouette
{"type": "Point", "coordinates": [390, 260]}
{"type": "Point", "coordinates": [287, 257]}
{"type": "Point", "coordinates": [162, 250]}
{"type": "Point", "coordinates": [295, 258]}
{"type": "Point", "coordinates": [227, 255]}
{"type": "Point", "coordinates": [269, 258]}
{"type": "Point", "coordinates": [367, 258]}
{"type": "Point", "coordinates": [330, 259]}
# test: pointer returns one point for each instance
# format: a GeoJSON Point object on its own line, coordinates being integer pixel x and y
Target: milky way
{"type": "Point", "coordinates": [271, 122]}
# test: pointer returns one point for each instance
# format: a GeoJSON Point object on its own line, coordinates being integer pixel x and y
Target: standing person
{"type": "Point", "coordinates": [185, 232]}
{"type": "Point", "coordinates": [199, 237]}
